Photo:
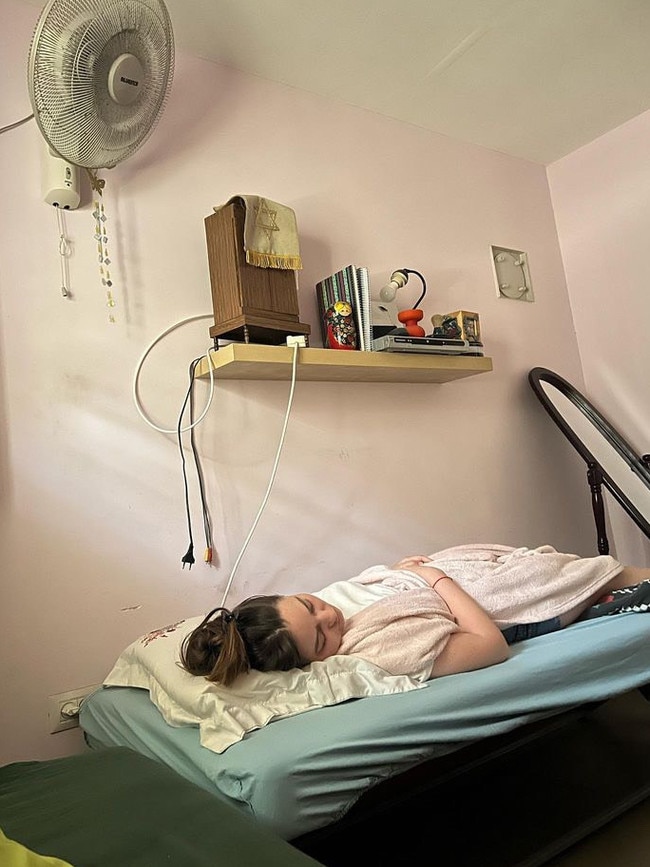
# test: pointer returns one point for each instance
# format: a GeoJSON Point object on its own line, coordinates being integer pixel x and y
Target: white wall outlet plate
{"type": "Point", "coordinates": [512, 274]}
{"type": "Point", "coordinates": [63, 708]}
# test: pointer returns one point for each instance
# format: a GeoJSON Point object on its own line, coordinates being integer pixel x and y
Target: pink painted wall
{"type": "Point", "coordinates": [600, 195]}
{"type": "Point", "coordinates": [92, 518]}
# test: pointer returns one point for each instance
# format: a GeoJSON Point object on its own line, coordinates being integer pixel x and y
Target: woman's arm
{"type": "Point", "coordinates": [479, 642]}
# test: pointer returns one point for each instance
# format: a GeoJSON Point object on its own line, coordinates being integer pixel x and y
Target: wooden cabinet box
{"type": "Point", "coordinates": [256, 305]}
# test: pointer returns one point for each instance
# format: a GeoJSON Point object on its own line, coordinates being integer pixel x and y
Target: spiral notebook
{"type": "Point", "coordinates": [349, 284]}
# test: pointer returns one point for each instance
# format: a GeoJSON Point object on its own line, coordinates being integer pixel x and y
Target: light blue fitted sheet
{"type": "Point", "coordinates": [304, 772]}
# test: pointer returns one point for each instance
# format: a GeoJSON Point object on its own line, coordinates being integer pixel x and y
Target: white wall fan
{"type": "Point", "coordinates": [100, 72]}
{"type": "Point", "coordinates": [99, 75]}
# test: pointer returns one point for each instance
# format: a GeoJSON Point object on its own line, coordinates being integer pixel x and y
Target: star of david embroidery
{"type": "Point", "coordinates": [265, 219]}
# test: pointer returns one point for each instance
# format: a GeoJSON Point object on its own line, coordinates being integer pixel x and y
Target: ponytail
{"type": "Point", "coordinates": [229, 643]}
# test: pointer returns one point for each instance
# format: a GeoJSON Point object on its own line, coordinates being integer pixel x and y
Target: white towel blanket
{"type": "Point", "coordinates": [404, 632]}
{"type": "Point", "coordinates": [524, 585]}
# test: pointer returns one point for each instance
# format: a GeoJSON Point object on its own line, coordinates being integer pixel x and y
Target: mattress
{"type": "Point", "coordinates": [302, 773]}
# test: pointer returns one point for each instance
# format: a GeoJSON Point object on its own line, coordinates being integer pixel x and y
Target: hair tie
{"type": "Point", "coordinates": [228, 617]}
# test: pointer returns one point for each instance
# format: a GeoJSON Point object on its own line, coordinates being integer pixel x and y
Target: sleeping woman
{"type": "Point", "coordinates": [425, 617]}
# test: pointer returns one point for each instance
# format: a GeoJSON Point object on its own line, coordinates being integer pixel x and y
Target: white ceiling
{"type": "Point", "coordinates": [532, 78]}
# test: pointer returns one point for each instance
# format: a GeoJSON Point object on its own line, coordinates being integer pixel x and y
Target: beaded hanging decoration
{"type": "Point", "coordinates": [101, 236]}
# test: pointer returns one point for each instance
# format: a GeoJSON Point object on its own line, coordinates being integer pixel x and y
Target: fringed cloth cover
{"type": "Point", "coordinates": [270, 233]}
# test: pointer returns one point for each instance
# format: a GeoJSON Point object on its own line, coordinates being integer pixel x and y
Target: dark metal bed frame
{"type": "Point", "coordinates": [520, 799]}
{"type": "Point", "coordinates": [597, 475]}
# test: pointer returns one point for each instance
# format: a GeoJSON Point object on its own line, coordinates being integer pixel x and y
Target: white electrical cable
{"type": "Point", "coordinates": [136, 376]}
{"type": "Point", "coordinates": [276, 462]}
{"type": "Point", "coordinates": [15, 123]}
{"type": "Point", "coordinates": [272, 478]}
{"type": "Point", "coordinates": [65, 250]}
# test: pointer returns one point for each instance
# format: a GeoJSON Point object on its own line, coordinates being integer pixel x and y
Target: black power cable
{"type": "Point", "coordinates": [188, 558]}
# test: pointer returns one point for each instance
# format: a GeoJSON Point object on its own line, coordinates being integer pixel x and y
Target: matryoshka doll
{"type": "Point", "coordinates": [341, 329]}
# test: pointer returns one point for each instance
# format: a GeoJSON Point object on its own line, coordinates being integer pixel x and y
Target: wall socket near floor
{"type": "Point", "coordinates": [63, 708]}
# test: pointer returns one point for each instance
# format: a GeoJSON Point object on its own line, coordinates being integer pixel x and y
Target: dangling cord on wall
{"type": "Point", "coordinates": [207, 523]}
{"type": "Point", "coordinates": [272, 478]}
{"type": "Point", "coordinates": [143, 358]}
{"type": "Point", "coordinates": [16, 123]}
{"type": "Point", "coordinates": [65, 251]}
{"type": "Point", "coordinates": [193, 424]}
{"type": "Point", "coordinates": [188, 558]}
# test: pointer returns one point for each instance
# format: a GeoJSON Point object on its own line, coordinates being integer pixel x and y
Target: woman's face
{"type": "Point", "coordinates": [316, 627]}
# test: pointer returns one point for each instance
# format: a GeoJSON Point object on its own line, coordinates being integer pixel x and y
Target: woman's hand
{"type": "Point", "coordinates": [412, 560]}
{"type": "Point", "coordinates": [418, 564]}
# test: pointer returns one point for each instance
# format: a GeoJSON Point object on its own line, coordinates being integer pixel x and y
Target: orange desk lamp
{"type": "Point", "coordinates": [408, 318]}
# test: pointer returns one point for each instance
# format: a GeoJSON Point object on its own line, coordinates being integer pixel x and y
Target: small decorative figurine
{"type": "Point", "coordinates": [445, 326]}
{"type": "Point", "coordinates": [341, 329]}
{"type": "Point", "coordinates": [468, 323]}
{"type": "Point", "coordinates": [461, 324]}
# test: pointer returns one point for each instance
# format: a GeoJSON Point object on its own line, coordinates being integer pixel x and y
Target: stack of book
{"type": "Point", "coordinates": [350, 284]}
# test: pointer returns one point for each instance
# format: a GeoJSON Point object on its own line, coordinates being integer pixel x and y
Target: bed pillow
{"type": "Point", "coordinates": [225, 714]}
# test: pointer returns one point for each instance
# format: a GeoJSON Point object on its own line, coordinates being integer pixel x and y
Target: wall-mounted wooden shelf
{"type": "Point", "coordinates": [257, 361]}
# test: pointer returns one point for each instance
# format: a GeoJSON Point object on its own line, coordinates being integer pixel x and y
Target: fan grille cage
{"type": "Point", "coordinates": [72, 51]}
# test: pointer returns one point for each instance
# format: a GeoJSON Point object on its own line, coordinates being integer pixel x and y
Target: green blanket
{"type": "Point", "coordinates": [116, 808]}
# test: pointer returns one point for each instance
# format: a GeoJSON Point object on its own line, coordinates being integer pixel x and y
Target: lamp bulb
{"type": "Point", "coordinates": [389, 290]}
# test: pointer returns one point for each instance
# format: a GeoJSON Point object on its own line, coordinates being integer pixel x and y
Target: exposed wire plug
{"type": "Point", "coordinates": [189, 557]}
{"type": "Point", "coordinates": [70, 709]}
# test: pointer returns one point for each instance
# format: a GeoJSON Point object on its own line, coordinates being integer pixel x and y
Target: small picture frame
{"type": "Point", "coordinates": [468, 323]}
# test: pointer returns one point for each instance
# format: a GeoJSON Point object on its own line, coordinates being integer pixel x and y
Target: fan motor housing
{"type": "Point", "coordinates": [125, 79]}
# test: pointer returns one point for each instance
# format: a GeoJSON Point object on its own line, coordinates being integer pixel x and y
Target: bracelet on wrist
{"type": "Point", "coordinates": [441, 578]}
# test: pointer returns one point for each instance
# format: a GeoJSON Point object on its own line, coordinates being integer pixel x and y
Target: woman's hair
{"type": "Point", "coordinates": [229, 643]}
